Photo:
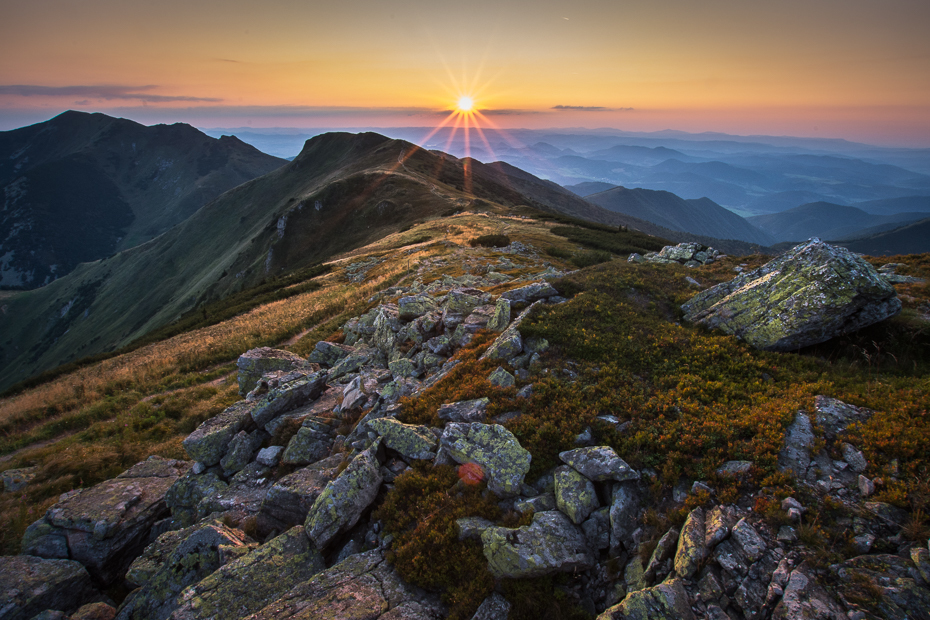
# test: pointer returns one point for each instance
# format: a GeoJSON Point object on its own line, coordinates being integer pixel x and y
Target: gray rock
{"type": "Point", "coordinates": [18, 479]}
{"type": "Point", "coordinates": [269, 456]}
{"type": "Point", "coordinates": [510, 342]}
{"type": "Point", "coordinates": [307, 446]}
{"type": "Point", "coordinates": [257, 362]}
{"type": "Point", "coordinates": [666, 601]}
{"type": "Point", "coordinates": [664, 551]}
{"type": "Point", "coordinates": [599, 464]}
{"type": "Point", "coordinates": [472, 527]}
{"type": "Point", "coordinates": [29, 585]}
{"type": "Point", "coordinates": [289, 500]}
{"type": "Point", "coordinates": [866, 486]}
{"type": "Point", "coordinates": [530, 293]}
{"type": "Point", "coordinates": [735, 468]}
{"type": "Point", "coordinates": [574, 494]}
{"type": "Point", "coordinates": [854, 457]}
{"type": "Point", "coordinates": [501, 378]}
{"type": "Point", "coordinates": [805, 600]}
{"type": "Point", "coordinates": [495, 607]}
{"type": "Point", "coordinates": [107, 525]}
{"type": "Point", "coordinates": [242, 447]}
{"type": "Point", "coordinates": [834, 416]}
{"type": "Point", "coordinates": [415, 306]}
{"type": "Point", "coordinates": [748, 540]}
{"type": "Point", "coordinates": [691, 550]}
{"type": "Point", "coordinates": [340, 505]}
{"type": "Point", "coordinates": [731, 559]}
{"type": "Point", "coordinates": [494, 448]}
{"type": "Point", "coordinates": [298, 389]}
{"type": "Point", "coordinates": [624, 514]}
{"type": "Point", "coordinates": [550, 544]}
{"type": "Point", "coordinates": [465, 410]}
{"type": "Point", "coordinates": [500, 318]}
{"type": "Point", "coordinates": [597, 529]}
{"type": "Point", "coordinates": [717, 523]}
{"type": "Point", "coordinates": [540, 503]}
{"type": "Point", "coordinates": [208, 443]}
{"type": "Point", "coordinates": [246, 585]}
{"type": "Point", "coordinates": [329, 353]}
{"type": "Point", "coordinates": [808, 295]}
{"type": "Point", "coordinates": [187, 494]}
{"type": "Point", "coordinates": [412, 442]}
{"type": "Point", "coordinates": [799, 439]}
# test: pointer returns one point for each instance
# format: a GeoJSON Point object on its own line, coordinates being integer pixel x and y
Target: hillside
{"type": "Point", "coordinates": [827, 221]}
{"type": "Point", "coordinates": [81, 187]}
{"type": "Point", "coordinates": [695, 422]}
{"type": "Point", "coordinates": [911, 238]}
{"type": "Point", "coordinates": [343, 191]}
{"type": "Point", "coordinates": [699, 216]}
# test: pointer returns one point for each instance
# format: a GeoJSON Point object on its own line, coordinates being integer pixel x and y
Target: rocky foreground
{"type": "Point", "coordinates": [272, 516]}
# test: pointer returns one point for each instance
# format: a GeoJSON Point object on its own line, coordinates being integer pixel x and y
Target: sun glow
{"type": "Point", "coordinates": [465, 103]}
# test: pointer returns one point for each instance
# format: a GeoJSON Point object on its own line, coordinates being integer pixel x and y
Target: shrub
{"type": "Point", "coordinates": [589, 258]}
{"type": "Point", "coordinates": [490, 241]}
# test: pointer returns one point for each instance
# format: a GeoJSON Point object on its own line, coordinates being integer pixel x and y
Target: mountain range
{"type": "Point", "coordinates": [82, 186]}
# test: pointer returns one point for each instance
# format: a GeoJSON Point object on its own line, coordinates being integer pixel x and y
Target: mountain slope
{"type": "Point", "coordinates": [891, 206]}
{"type": "Point", "coordinates": [701, 216]}
{"type": "Point", "coordinates": [913, 238]}
{"type": "Point", "coordinates": [827, 221]}
{"type": "Point", "coordinates": [80, 187]}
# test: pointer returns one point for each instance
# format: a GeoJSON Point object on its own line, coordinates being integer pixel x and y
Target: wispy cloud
{"type": "Point", "coordinates": [589, 108]}
{"type": "Point", "coordinates": [106, 92]}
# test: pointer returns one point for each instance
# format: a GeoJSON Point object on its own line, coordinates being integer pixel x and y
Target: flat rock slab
{"type": "Point", "coordinates": [362, 587]}
{"type": "Point", "coordinates": [599, 463]}
{"type": "Point", "coordinates": [666, 601]}
{"type": "Point", "coordinates": [249, 583]}
{"type": "Point", "coordinates": [551, 544]}
{"type": "Point", "coordinates": [107, 526]}
{"type": "Point", "coordinates": [257, 362]}
{"type": "Point", "coordinates": [29, 585]}
{"type": "Point", "coordinates": [810, 294]}
{"type": "Point", "coordinates": [412, 442]}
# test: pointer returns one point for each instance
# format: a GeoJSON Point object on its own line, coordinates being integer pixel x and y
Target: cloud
{"type": "Point", "coordinates": [589, 108]}
{"type": "Point", "coordinates": [107, 92]}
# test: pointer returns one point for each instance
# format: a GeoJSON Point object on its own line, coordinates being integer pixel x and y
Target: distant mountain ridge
{"type": "Point", "coordinates": [80, 187]}
{"type": "Point", "coordinates": [912, 238]}
{"type": "Point", "coordinates": [828, 221]}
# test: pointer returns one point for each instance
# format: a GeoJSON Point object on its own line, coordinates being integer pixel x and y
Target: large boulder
{"type": "Point", "coordinates": [257, 362]}
{"type": "Point", "coordinates": [29, 585]}
{"type": "Point", "coordinates": [530, 293]}
{"type": "Point", "coordinates": [415, 306]}
{"type": "Point", "coordinates": [106, 526]}
{"type": "Point", "coordinates": [287, 502]}
{"type": "Point", "coordinates": [808, 295]}
{"type": "Point", "coordinates": [208, 443]}
{"type": "Point", "coordinates": [691, 550]}
{"type": "Point", "coordinates": [247, 584]}
{"type": "Point", "coordinates": [551, 544]}
{"type": "Point", "coordinates": [494, 448]}
{"type": "Point", "coordinates": [804, 599]}
{"type": "Point", "coordinates": [341, 503]}
{"type": "Point", "coordinates": [574, 494]}
{"type": "Point", "coordinates": [599, 463]}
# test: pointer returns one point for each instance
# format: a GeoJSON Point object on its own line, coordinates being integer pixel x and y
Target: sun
{"type": "Point", "coordinates": [465, 103]}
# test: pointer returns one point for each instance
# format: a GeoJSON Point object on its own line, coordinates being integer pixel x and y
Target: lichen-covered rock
{"type": "Point", "coordinates": [247, 584]}
{"type": "Point", "coordinates": [339, 506]}
{"type": "Point", "coordinates": [495, 607]}
{"type": "Point", "coordinates": [666, 601]}
{"type": "Point", "coordinates": [295, 390]}
{"type": "Point", "coordinates": [257, 362]}
{"type": "Point", "coordinates": [808, 295]}
{"type": "Point", "coordinates": [664, 550]}
{"type": "Point", "coordinates": [195, 557]}
{"type": "Point", "coordinates": [834, 416]}
{"type": "Point", "coordinates": [107, 525]}
{"type": "Point", "coordinates": [500, 317]}
{"type": "Point", "coordinates": [501, 378]}
{"type": "Point", "coordinates": [289, 500]}
{"type": "Point", "coordinates": [691, 550]}
{"type": "Point", "coordinates": [492, 447]}
{"type": "Point", "coordinates": [717, 522]}
{"type": "Point", "coordinates": [18, 479]}
{"type": "Point", "coordinates": [186, 495]}
{"type": "Point", "coordinates": [242, 447]}
{"type": "Point", "coordinates": [412, 442]}
{"type": "Point", "coordinates": [551, 544]}
{"type": "Point", "coordinates": [530, 293]}
{"type": "Point", "coordinates": [465, 410]}
{"type": "Point", "coordinates": [599, 463]}
{"type": "Point", "coordinates": [208, 443]}
{"type": "Point", "coordinates": [415, 306]}
{"type": "Point", "coordinates": [243, 497]}
{"type": "Point", "coordinates": [155, 555]}
{"type": "Point", "coordinates": [307, 446]}
{"type": "Point", "coordinates": [29, 585]}
{"type": "Point", "coordinates": [352, 362]}
{"type": "Point", "coordinates": [805, 600]}
{"type": "Point", "coordinates": [329, 353]}
{"type": "Point", "coordinates": [574, 494]}
{"type": "Point", "coordinates": [510, 342]}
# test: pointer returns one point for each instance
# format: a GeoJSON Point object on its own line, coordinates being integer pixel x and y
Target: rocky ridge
{"type": "Point", "coordinates": [272, 517]}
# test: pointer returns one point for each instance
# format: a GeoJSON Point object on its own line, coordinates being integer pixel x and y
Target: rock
{"type": "Point", "coordinates": [525, 392]}
{"type": "Point", "coordinates": [666, 601]}
{"type": "Point", "coordinates": [540, 503]}
{"type": "Point", "coordinates": [242, 447]}
{"type": "Point", "coordinates": [155, 555]}
{"type": "Point", "coordinates": [243, 497]}
{"type": "Point", "coordinates": [748, 540]}
{"type": "Point", "coordinates": [509, 343]}
{"type": "Point", "coordinates": [920, 556]}
{"type": "Point", "coordinates": [599, 464]}
{"type": "Point", "coordinates": [834, 416]}
{"type": "Point", "coordinates": [208, 443]}
{"type": "Point", "coordinates": [634, 575]}
{"type": "Point", "coordinates": [329, 353]}
{"type": "Point", "coordinates": [624, 514]}
{"type": "Point", "coordinates": [340, 505]}
{"type": "Point", "coordinates": [500, 318]}
{"type": "Point", "coordinates": [716, 526]}
{"type": "Point", "coordinates": [107, 525]}
{"type": "Point", "coordinates": [866, 486]}
{"type": "Point", "coordinates": [574, 494]}
{"type": "Point", "coordinates": [402, 368]}
{"type": "Point", "coordinates": [194, 558]}
{"type": "Point", "coordinates": [664, 550]}
{"type": "Point", "coordinates": [18, 479]}
{"type": "Point", "coordinates": [289, 500]}
{"type": "Point", "coordinates": [805, 600]}
{"type": "Point", "coordinates": [786, 534]}
{"type": "Point", "coordinates": [799, 439]}
{"type": "Point", "coordinates": [307, 446]}
{"type": "Point", "coordinates": [465, 410]}
{"type": "Point", "coordinates": [530, 293]}
{"type": "Point", "coordinates": [415, 306]}
{"type": "Point", "coordinates": [863, 543]}
{"type": "Point", "coordinates": [295, 390]}
{"type": "Point", "coordinates": [269, 456]}
{"type": "Point", "coordinates": [635, 257]}
{"type": "Point", "coordinates": [597, 529]}
{"type": "Point", "coordinates": [691, 550]}
{"type": "Point", "coordinates": [94, 611]}
{"type": "Point", "coordinates": [472, 527]}
{"type": "Point", "coordinates": [501, 378]}
{"type": "Point", "coordinates": [731, 559]}
{"type": "Point", "coordinates": [492, 447]}
{"type": "Point", "coordinates": [854, 457]}
{"type": "Point", "coordinates": [257, 362]}
{"type": "Point", "coordinates": [185, 496]}
{"type": "Point", "coordinates": [247, 584]}
{"type": "Point", "coordinates": [412, 442]}
{"type": "Point", "coordinates": [362, 587]}
{"type": "Point", "coordinates": [495, 607]}
{"type": "Point", "coordinates": [29, 585]}
{"type": "Point", "coordinates": [550, 544]}
{"type": "Point", "coordinates": [808, 295]}
{"type": "Point", "coordinates": [352, 362]}
{"type": "Point", "coordinates": [735, 468]}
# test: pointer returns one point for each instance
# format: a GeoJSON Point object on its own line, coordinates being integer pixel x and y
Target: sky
{"type": "Point", "coordinates": [854, 69]}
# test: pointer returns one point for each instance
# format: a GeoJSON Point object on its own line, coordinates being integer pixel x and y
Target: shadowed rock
{"type": "Point", "coordinates": [29, 585]}
{"type": "Point", "coordinates": [551, 544]}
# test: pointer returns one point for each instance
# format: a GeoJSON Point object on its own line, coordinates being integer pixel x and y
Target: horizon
{"type": "Point", "coordinates": [837, 69]}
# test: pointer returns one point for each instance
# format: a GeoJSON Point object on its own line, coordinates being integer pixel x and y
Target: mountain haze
{"type": "Point", "coordinates": [80, 187]}
{"type": "Point", "coordinates": [827, 221]}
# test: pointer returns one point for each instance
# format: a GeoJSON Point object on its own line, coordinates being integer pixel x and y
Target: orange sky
{"type": "Point", "coordinates": [858, 69]}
